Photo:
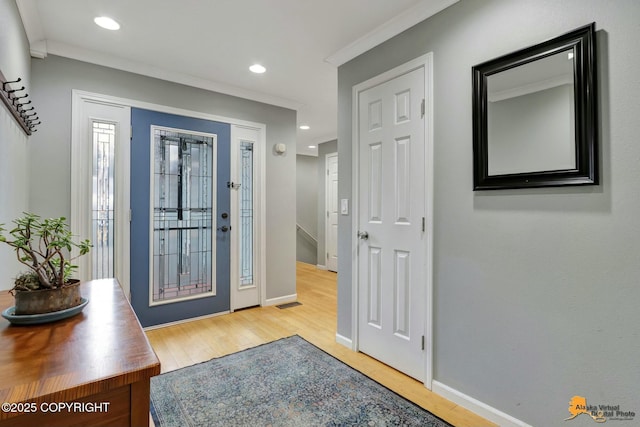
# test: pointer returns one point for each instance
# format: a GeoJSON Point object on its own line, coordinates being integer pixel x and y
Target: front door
{"type": "Point", "coordinates": [391, 218]}
{"type": "Point", "coordinates": [180, 217]}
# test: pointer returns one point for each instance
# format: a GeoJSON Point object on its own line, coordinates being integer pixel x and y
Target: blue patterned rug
{"type": "Point", "coordinates": [288, 382]}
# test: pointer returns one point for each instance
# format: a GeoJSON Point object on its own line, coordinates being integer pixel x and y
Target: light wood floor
{"type": "Point", "coordinates": [315, 320]}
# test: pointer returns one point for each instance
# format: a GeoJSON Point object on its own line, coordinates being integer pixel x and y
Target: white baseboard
{"type": "Point", "coordinates": [178, 322]}
{"type": "Point", "coordinates": [477, 407]}
{"type": "Point", "coordinates": [281, 300]}
{"type": "Point", "coordinates": [347, 342]}
{"type": "Point", "coordinates": [321, 267]}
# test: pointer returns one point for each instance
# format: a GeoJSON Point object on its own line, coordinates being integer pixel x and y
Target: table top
{"type": "Point", "coordinates": [101, 348]}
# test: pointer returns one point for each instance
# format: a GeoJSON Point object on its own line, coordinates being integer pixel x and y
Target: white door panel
{"type": "Point", "coordinates": [332, 212]}
{"type": "Point", "coordinates": [246, 154]}
{"type": "Point", "coordinates": [391, 210]}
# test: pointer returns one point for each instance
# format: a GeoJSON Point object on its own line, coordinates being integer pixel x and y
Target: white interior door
{"type": "Point", "coordinates": [331, 226]}
{"type": "Point", "coordinates": [391, 223]}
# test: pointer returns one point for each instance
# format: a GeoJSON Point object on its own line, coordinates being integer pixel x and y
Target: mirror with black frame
{"type": "Point", "coordinates": [534, 115]}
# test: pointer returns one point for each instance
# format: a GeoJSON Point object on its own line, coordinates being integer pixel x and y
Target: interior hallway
{"type": "Point", "coordinates": [315, 320]}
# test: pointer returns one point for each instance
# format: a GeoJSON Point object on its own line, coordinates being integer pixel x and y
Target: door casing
{"type": "Point", "coordinates": [426, 62]}
{"type": "Point", "coordinates": [81, 196]}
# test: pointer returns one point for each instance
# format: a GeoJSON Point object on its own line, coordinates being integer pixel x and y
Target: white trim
{"type": "Point", "coordinates": [180, 322]}
{"type": "Point", "coordinates": [479, 408]}
{"type": "Point", "coordinates": [426, 62]}
{"type": "Point", "coordinates": [321, 267]}
{"type": "Point", "coordinates": [389, 29]}
{"type": "Point", "coordinates": [260, 127]}
{"type": "Point", "coordinates": [530, 88]}
{"type": "Point", "coordinates": [238, 133]}
{"type": "Point", "coordinates": [214, 210]}
{"type": "Point", "coordinates": [111, 61]}
{"type": "Point", "coordinates": [128, 102]}
{"type": "Point", "coordinates": [342, 340]}
{"type": "Point", "coordinates": [33, 28]}
{"type": "Point", "coordinates": [281, 300]}
{"type": "Point", "coordinates": [81, 190]}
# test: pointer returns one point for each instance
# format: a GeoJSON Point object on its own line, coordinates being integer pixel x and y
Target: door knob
{"type": "Point", "coordinates": [363, 235]}
{"type": "Point", "coordinates": [224, 228]}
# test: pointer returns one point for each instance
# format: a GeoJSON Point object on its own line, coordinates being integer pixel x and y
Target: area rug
{"type": "Point", "coordinates": [288, 382]}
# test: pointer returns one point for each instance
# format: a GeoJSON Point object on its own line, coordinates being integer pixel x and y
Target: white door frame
{"type": "Point", "coordinates": [81, 194]}
{"type": "Point", "coordinates": [85, 108]}
{"type": "Point", "coordinates": [426, 62]}
{"type": "Point", "coordinates": [241, 133]}
{"type": "Point", "coordinates": [327, 229]}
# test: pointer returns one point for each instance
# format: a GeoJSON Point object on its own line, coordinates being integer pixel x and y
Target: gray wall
{"type": "Point", "coordinates": [323, 149]}
{"type": "Point", "coordinates": [307, 208]}
{"type": "Point", "coordinates": [535, 291]}
{"type": "Point", "coordinates": [14, 163]}
{"type": "Point", "coordinates": [49, 150]}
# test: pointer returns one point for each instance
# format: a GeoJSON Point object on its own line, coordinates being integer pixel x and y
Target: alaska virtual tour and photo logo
{"type": "Point", "coordinates": [599, 413]}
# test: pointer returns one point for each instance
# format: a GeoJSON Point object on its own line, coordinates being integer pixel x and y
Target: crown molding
{"type": "Point", "coordinates": [32, 27]}
{"type": "Point", "coordinates": [40, 47]}
{"type": "Point", "coordinates": [530, 88]}
{"type": "Point", "coordinates": [389, 29]}
{"type": "Point", "coordinates": [93, 57]}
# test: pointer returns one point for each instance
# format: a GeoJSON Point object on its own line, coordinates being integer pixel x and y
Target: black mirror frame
{"type": "Point", "coordinates": [582, 40]}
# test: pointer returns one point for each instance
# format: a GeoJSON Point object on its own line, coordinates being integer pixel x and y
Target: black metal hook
{"type": "Point", "coordinates": [14, 90]}
{"type": "Point", "coordinates": [4, 85]}
{"type": "Point", "coordinates": [18, 97]}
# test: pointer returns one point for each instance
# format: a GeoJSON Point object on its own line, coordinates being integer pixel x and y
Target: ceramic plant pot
{"type": "Point", "coordinates": [48, 300]}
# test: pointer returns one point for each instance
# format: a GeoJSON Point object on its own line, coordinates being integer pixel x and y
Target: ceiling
{"type": "Point", "coordinates": [211, 44]}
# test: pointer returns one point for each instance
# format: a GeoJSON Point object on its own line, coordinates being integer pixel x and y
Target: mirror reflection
{"type": "Point", "coordinates": [535, 121]}
{"type": "Point", "coordinates": [531, 117]}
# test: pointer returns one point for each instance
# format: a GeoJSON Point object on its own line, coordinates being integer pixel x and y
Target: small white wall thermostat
{"type": "Point", "coordinates": [344, 206]}
{"type": "Point", "coordinates": [280, 148]}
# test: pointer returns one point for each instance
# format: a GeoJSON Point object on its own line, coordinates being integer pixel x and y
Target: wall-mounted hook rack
{"type": "Point", "coordinates": [27, 121]}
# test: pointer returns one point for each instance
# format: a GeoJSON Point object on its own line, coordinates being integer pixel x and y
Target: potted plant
{"type": "Point", "coordinates": [44, 245]}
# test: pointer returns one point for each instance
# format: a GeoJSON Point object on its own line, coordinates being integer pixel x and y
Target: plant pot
{"type": "Point", "coordinates": [48, 300]}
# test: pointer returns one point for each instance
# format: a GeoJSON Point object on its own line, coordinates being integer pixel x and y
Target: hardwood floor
{"type": "Point", "coordinates": [315, 320]}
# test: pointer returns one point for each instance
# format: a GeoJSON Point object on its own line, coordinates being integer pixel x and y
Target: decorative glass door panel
{"type": "Point", "coordinates": [104, 141]}
{"type": "Point", "coordinates": [246, 214]}
{"type": "Point", "coordinates": [183, 247]}
{"type": "Point", "coordinates": [180, 203]}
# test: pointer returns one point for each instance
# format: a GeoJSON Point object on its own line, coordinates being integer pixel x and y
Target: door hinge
{"type": "Point", "coordinates": [130, 215]}
{"type": "Point", "coordinates": [422, 109]}
{"type": "Point", "coordinates": [423, 342]}
{"type": "Point", "coordinates": [131, 134]}
{"type": "Point", "coordinates": [423, 224]}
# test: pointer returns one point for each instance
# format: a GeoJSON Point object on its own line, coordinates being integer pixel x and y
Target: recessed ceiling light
{"type": "Point", "coordinates": [257, 68]}
{"type": "Point", "coordinates": [305, 127]}
{"type": "Point", "coordinates": [312, 146]}
{"type": "Point", "coordinates": [106, 22]}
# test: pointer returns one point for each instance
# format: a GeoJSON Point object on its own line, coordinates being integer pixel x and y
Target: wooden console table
{"type": "Point", "coordinates": [99, 362]}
